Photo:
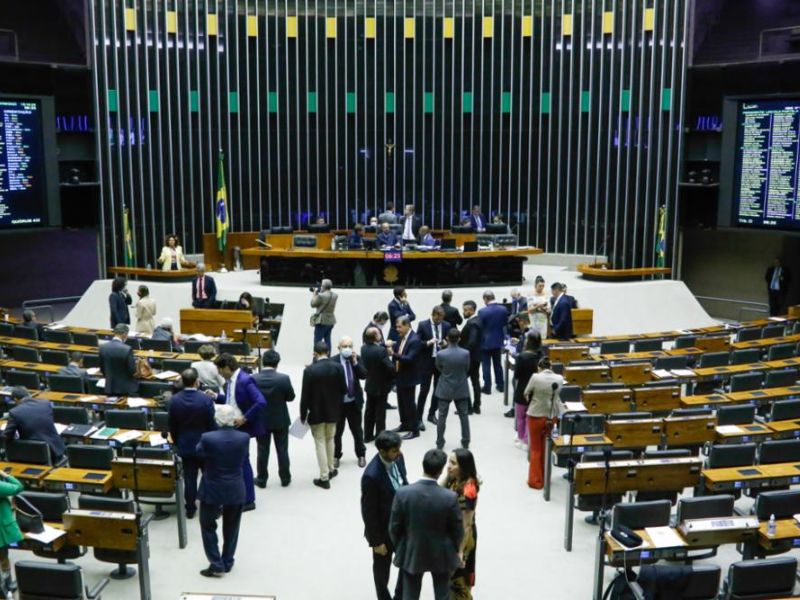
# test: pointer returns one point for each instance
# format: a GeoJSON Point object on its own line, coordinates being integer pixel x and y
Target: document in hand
{"type": "Point", "coordinates": [299, 429]}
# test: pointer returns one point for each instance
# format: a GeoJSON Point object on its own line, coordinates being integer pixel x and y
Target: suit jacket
{"type": "Point", "coordinates": [118, 304]}
{"type": "Point", "coordinates": [493, 326]}
{"type": "Point", "coordinates": [277, 390]}
{"type": "Point", "coordinates": [540, 390]}
{"type": "Point", "coordinates": [407, 363]}
{"type": "Point", "coordinates": [159, 333]}
{"type": "Point", "coordinates": [119, 367]}
{"type": "Point", "coordinates": [427, 240]}
{"type": "Point", "coordinates": [191, 414]}
{"type": "Point", "coordinates": [426, 528]}
{"type": "Point", "coordinates": [519, 305]}
{"type": "Point", "coordinates": [250, 402]}
{"type": "Point", "coordinates": [425, 333]}
{"type": "Point", "coordinates": [359, 373]}
{"type": "Point", "coordinates": [416, 223]}
{"type": "Point", "coordinates": [325, 304]}
{"type": "Point", "coordinates": [473, 222]}
{"type": "Point", "coordinates": [451, 315]}
{"type": "Point", "coordinates": [381, 341]}
{"type": "Point", "coordinates": [453, 365]}
{"type": "Point", "coordinates": [388, 238]}
{"type": "Point", "coordinates": [561, 318]}
{"type": "Point", "coordinates": [210, 288]}
{"type": "Point", "coordinates": [72, 370]}
{"type": "Point", "coordinates": [33, 420]}
{"type": "Point", "coordinates": [377, 495]}
{"type": "Point", "coordinates": [784, 278]}
{"type": "Point", "coordinates": [471, 336]}
{"type": "Point", "coordinates": [322, 392]}
{"type": "Point", "coordinates": [527, 363]}
{"type": "Point", "coordinates": [380, 370]}
{"type": "Point", "coordinates": [387, 217]}
{"type": "Point", "coordinates": [224, 452]}
{"type": "Point", "coordinates": [355, 242]}
{"type": "Point", "coordinates": [165, 260]}
{"type": "Point", "coordinates": [396, 309]}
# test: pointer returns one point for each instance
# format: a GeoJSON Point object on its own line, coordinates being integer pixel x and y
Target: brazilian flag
{"type": "Point", "coordinates": [661, 240]}
{"type": "Point", "coordinates": [128, 236]}
{"type": "Point", "coordinates": [221, 207]}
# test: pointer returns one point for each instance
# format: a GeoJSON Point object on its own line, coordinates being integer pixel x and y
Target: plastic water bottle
{"type": "Point", "coordinates": [771, 527]}
{"type": "Point", "coordinates": [223, 337]}
{"type": "Point", "coordinates": [554, 433]}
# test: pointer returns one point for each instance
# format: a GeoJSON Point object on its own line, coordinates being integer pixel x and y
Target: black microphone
{"type": "Point", "coordinates": [555, 386]}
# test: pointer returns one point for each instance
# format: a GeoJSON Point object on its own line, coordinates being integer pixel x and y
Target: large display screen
{"type": "Point", "coordinates": [767, 159]}
{"type": "Point", "coordinates": [23, 185]}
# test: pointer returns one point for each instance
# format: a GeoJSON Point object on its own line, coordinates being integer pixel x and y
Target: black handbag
{"type": "Point", "coordinates": [29, 518]}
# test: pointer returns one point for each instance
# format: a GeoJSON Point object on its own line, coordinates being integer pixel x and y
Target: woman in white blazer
{"type": "Point", "coordinates": [171, 258]}
{"type": "Point", "coordinates": [544, 405]}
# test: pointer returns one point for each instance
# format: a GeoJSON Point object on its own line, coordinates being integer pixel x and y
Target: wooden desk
{"type": "Point", "coordinates": [657, 399]}
{"type": "Point", "coordinates": [766, 342]}
{"type": "Point", "coordinates": [154, 274]}
{"type": "Point", "coordinates": [608, 401]}
{"type": "Point", "coordinates": [241, 359]}
{"type": "Point", "coordinates": [741, 434]}
{"type": "Point", "coordinates": [92, 481]}
{"type": "Point", "coordinates": [28, 474]}
{"type": "Point", "coordinates": [603, 272]}
{"type": "Point", "coordinates": [787, 532]}
{"type": "Point", "coordinates": [782, 430]}
{"type": "Point", "coordinates": [566, 354]}
{"type": "Point", "coordinates": [631, 373]}
{"type": "Point", "coordinates": [690, 352]}
{"type": "Point", "coordinates": [763, 396]}
{"type": "Point", "coordinates": [657, 475]}
{"type": "Point", "coordinates": [101, 529]}
{"type": "Point", "coordinates": [582, 321]}
{"type": "Point", "coordinates": [727, 371]}
{"type": "Point", "coordinates": [584, 375]}
{"type": "Point", "coordinates": [629, 356]}
{"type": "Point", "coordinates": [580, 444]}
{"type": "Point", "coordinates": [215, 321]}
{"type": "Point", "coordinates": [635, 433]}
{"type": "Point", "coordinates": [682, 432]}
{"type": "Point", "coordinates": [31, 544]}
{"type": "Point", "coordinates": [704, 400]}
{"type": "Point", "coordinates": [95, 402]}
{"type": "Point", "coordinates": [756, 476]}
{"type": "Point", "coordinates": [719, 343]}
{"type": "Point", "coordinates": [157, 476]}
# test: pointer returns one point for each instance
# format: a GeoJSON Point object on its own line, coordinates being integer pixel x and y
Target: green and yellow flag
{"type": "Point", "coordinates": [221, 207]}
{"type": "Point", "coordinates": [128, 236]}
{"type": "Point", "coordinates": [661, 240]}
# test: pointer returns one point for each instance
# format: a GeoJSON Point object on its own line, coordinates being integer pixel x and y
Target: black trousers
{"type": "Point", "coordinates": [407, 408]}
{"type": "Point", "coordinates": [381, 568]}
{"type": "Point", "coordinates": [475, 380]}
{"type": "Point", "coordinates": [192, 465]}
{"type": "Point", "coordinates": [412, 585]}
{"type": "Point", "coordinates": [351, 412]}
{"type": "Point", "coordinates": [281, 439]}
{"type": "Point", "coordinates": [424, 388]}
{"type": "Point", "coordinates": [231, 517]}
{"type": "Point", "coordinates": [775, 302]}
{"type": "Point", "coordinates": [374, 415]}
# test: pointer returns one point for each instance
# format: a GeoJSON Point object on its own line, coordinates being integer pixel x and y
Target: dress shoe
{"type": "Point", "coordinates": [369, 439]}
{"type": "Point", "coordinates": [249, 506]}
{"type": "Point", "coordinates": [335, 463]}
{"type": "Point", "coordinates": [411, 435]}
{"type": "Point", "coordinates": [591, 519]}
{"type": "Point", "coordinates": [332, 474]}
{"type": "Point", "coordinates": [210, 572]}
{"type": "Point", "coordinates": [500, 388]}
{"type": "Point", "coordinates": [261, 483]}
{"type": "Point", "coordinates": [362, 462]}
{"type": "Point", "coordinates": [228, 568]}
{"type": "Point", "coordinates": [486, 390]}
{"type": "Point", "coordinates": [476, 410]}
{"type": "Point", "coordinates": [190, 514]}
{"type": "Point", "coordinates": [421, 427]}
{"type": "Point", "coordinates": [509, 413]}
{"type": "Point", "coordinates": [399, 429]}
{"type": "Point", "coordinates": [286, 483]}
{"type": "Point", "coordinates": [432, 419]}
{"type": "Point", "coordinates": [390, 406]}
{"type": "Point", "coordinates": [323, 483]}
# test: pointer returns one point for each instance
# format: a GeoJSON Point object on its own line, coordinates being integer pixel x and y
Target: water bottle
{"type": "Point", "coordinates": [771, 526]}
{"type": "Point", "coordinates": [554, 433]}
{"type": "Point", "coordinates": [223, 337]}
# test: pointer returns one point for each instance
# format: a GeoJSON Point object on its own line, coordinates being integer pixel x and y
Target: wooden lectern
{"type": "Point", "coordinates": [214, 322]}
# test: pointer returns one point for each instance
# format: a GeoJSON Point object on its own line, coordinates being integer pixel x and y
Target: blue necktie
{"type": "Point", "coordinates": [349, 377]}
{"type": "Point", "coordinates": [394, 476]}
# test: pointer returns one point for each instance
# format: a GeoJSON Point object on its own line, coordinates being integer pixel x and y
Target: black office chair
{"type": "Point", "coordinates": [781, 378]}
{"type": "Point", "coordinates": [757, 579]}
{"type": "Point", "coordinates": [91, 361]}
{"type": "Point", "coordinates": [53, 505]}
{"type": "Point", "coordinates": [154, 389]}
{"type": "Point", "coordinates": [86, 456]}
{"type": "Point", "coordinates": [160, 420]}
{"type": "Point", "coordinates": [745, 356]}
{"type": "Point", "coordinates": [746, 381]}
{"type": "Point", "coordinates": [26, 379]}
{"type": "Point", "coordinates": [54, 357]}
{"type": "Point", "coordinates": [615, 347]}
{"type": "Point", "coordinates": [172, 364]}
{"type": "Point", "coordinates": [780, 351]}
{"type": "Point", "coordinates": [65, 383]}
{"type": "Point", "coordinates": [630, 416]}
{"type": "Point", "coordinates": [93, 388]}
{"type": "Point", "coordinates": [85, 339]}
{"type": "Point", "coordinates": [705, 507]}
{"type": "Point", "coordinates": [69, 415]}
{"type": "Point", "coordinates": [47, 581]}
{"type": "Point", "coordinates": [126, 418]}
{"type": "Point", "coordinates": [671, 496]}
{"type": "Point", "coordinates": [779, 451]}
{"type": "Point", "coordinates": [192, 346]}
{"type": "Point", "coordinates": [685, 341]}
{"type": "Point", "coordinates": [156, 345]}
{"type": "Point", "coordinates": [558, 368]}
{"type": "Point", "coordinates": [713, 359]}
{"type": "Point", "coordinates": [748, 334]}
{"type": "Point", "coordinates": [28, 333]}
{"type": "Point", "coordinates": [647, 345]}
{"type": "Point", "coordinates": [57, 336]}
{"type": "Point", "coordinates": [691, 412]}
{"type": "Point", "coordinates": [785, 410]}
{"type": "Point", "coordinates": [731, 455]}
{"type": "Point", "coordinates": [570, 393]}
{"type": "Point", "coordinates": [771, 331]}
{"type": "Point", "coordinates": [6, 330]}
{"type": "Point", "coordinates": [594, 502]}
{"type": "Point", "coordinates": [672, 362]}
{"type": "Point", "coordinates": [235, 348]}
{"type": "Point", "coordinates": [741, 414]}
{"type": "Point", "coordinates": [134, 343]}
{"type": "Point", "coordinates": [24, 354]}
{"type": "Point", "coordinates": [121, 558]}
{"type": "Point", "coordinates": [31, 452]}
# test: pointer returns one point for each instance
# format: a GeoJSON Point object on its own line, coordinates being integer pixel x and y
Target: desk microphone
{"type": "Point", "coordinates": [263, 243]}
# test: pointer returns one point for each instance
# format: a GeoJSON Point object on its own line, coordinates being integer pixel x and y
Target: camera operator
{"type": "Point", "coordinates": [323, 301]}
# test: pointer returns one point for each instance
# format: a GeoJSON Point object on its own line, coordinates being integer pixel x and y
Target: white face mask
{"type": "Point", "coordinates": [347, 352]}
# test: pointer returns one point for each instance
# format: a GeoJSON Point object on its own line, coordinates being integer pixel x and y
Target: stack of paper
{"type": "Point", "coordinates": [163, 375]}
{"type": "Point", "coordinates": [133, 434]}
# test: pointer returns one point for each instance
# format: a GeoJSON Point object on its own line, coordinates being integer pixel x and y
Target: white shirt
{"type": "Point", "coordinates": [408, 230]}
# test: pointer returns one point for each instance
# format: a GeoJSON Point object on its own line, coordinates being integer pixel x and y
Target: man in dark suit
{"type": "Point", "coordinates": [426, 528]}
{"type": "Point", "coordinates": [204, 289]}
{"type": "Point", "coordinates": [432, 334]}
{"type": "Point", "coordinates": [476, 220]}
{"type": "Point", "coordinates": [277, 390]}
{"type": "Point", "coordinates": [778, 279]}
{"type": "Point", "coordinates": [118, 302]}
{"type": "Point", "coordinates": [386, 238]}
{"type": "Point", "coordinates": [29, 322]}
{"type": "Point", "coordinates": [411, 224]}
{"type": "Point", "coordinates": [241, 391]}
{"type": "Point", "coordinates": [471, 340]}
{"type": "Point", "coordinates": [561, 315]}
{"type": "Point", "coordinates": [118, 364]}
{"type": "Point", "coordinates": [380, 373]}
{"type": "Point", "coordinates": [384, 475]}
{"type": "Point", "coordinates": [493, 318]}
{"type": "Point", "coordinates": [222, 489]}
{"type": "Point", "coordinates": [406, 358]}
{"type": "Point", "coordinates": [518, 302]}
{"type": "Point", "coordinates": [453, 364]}
{"type": "Point", "coordinates": [321, 407]}
{"type": "Point", "coordinates": [399, 307]}
{"type": "Point", "coordinates": [451, 315]}
{"type": "Point", "coordinates": [352, 402]}
{"type": "Point", "coordinates": [379, 319]}
{"type": "Point", "coordinates": [191, 414]}
{"type": "Point", "coordinates": [33, 420]}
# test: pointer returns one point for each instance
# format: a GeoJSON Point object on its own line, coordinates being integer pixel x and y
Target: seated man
{"type": "Point", "coordinates": [355, 240]}
{"type": "Point", "coordinates": [29, 321]}
{"type": "Point", "coordinates": [75, 366]}
{"type": "Point", "coordinates": [387, 238]}
{"type": "Point", "coordinates": [33, 420]}
{"type": "Point", "coordinates": [425, 237]}
{"type": "Point", "coordinates": [164, 332]}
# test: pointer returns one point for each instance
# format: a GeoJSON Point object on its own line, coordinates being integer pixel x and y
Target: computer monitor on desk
{"type": "Point", "coordinates": [448, 244]}
{"type": "Point", "coordinates": [470, 246]}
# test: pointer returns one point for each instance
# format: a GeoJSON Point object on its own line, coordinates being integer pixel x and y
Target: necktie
{"type": "Point", "coordinates": [394, 476]}
{"type": "Point", "coordinates": [775, 278]}
{"type": "Point", "coordinates": [348, 375]}
{"type": "Point", "coordinates": [437, 336]}
{"type": "Point", "coordinates": [228, 392]}
{"type": "Point", "coordinates": [479, 222]}
{"type": "Point", "coordinates": [202, 287]}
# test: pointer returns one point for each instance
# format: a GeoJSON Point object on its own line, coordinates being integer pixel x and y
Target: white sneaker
{"type": "Point", "coordinates": [517, 443]}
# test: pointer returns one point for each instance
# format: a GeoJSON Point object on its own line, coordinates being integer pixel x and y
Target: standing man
{"type": "Point", "coordinates": [33, 419]}
{"type": "Point", "coordinates": [453, 364]}
{"type": "Point", "coordinates": [380, 373]}
{"type": "Point", "coordinates": [241, 391]}
{"type": "Point", "coordinates": [518, 302]}
{"type": "Point", "coordinates": [321, 407]}
{"type": "Point", "coordinates": [384, 475]}
{"type": "Point", "coordinates": [191, 414]}
{"type": "Point", "coordinates": [222, 489]}
{"type": "Point", "coordinates": [323, 301]}
{"type": "Point", "coordinates": [426, 529]}
{"type": "Point", "coordinates": [399, 307]}
{"type": "Point", "coordinates": [352, 401]}
{"type": "Point", "coordinates": [411, 225]}
{"type": "Point", "coordinates": [277, 390]}
{"type": "Point", "coordinates": [118, 364]}
{"type": "Point", "coordinates": [450, 312]}
{"type": "Point", "coordinates": [432, 334]}
{"type": "Point", "coordinates": [118, 302]}
{"type": "Point", "coordinates": [406, 358]}
{"type": "Point", "coordinates": [378, 321]}
{"type": "Point", "coordinates": [204, 289]}
{"type": "Point", "coordinates": [493, 318]}
{"type": "Point", "coordinates": [476, 220]}
{"type": "Point", "coordinates": [778, 279]}
{"type": "Point", "coordinates": [471, 340]}
{"type": "Point", "coordinates": [561, 315]}
{"type": "Point", "coordinates": [388, 215]}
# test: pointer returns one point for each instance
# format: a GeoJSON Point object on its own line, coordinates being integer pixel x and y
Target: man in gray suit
{"type": "Point", "coordinates": [452, 363]}
{"type": "Point", "coordinates": [118, 364]}
{"type": "Point", "coordinates": [323, 319]}
{"type": "Point", "coordinates": [426, 529]}
{"type": "Point", "coordinates": [388, 215]}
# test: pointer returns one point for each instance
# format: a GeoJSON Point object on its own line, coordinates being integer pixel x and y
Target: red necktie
{"type": "Point", "coordinates": [202, 293]}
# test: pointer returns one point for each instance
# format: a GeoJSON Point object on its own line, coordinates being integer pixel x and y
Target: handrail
{"type": "Point", "coordinates": [759, 307]}
{"type": "Point", "coordinates": [47, 303]}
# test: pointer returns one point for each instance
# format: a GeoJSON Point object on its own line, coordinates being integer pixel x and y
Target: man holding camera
{"type": "Point", "coordinates": [323, 301]}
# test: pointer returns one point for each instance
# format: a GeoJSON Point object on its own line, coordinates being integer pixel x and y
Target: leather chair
{"type": "Point", "coordinates": [54, 357]}
{"type": "Point", "coordinates": [47, 581]}
{"type": "Point", "coordinates": [53, 505]}
{"type": "Point", "coordinates": [25, 354]}
{"type": "Point", "coordinates": [126, 418]}
{"type": "Point", "coordinates": [647, 345]}
{"type": "Point", "coordinates": [28, 333]}
{"type": "Point", "coordinates": [672, 362]}
{"type": "Point", "coordinates": [192, 346]}
{"type": "Point", "coordinates": [235, 348]}
{"type": "Point", "coordinates": [785, 410]}
{"type": "Point", "coordinates": [756, 579]}
{"type": "Point", "coordinates": [685, 341]}
{"type": "Point", "coordinates": [748, 334]}
{"type": "Point", "coordinates": [68, 415]}
{"type": "Point", "coordinates": [26, 379]}
{"type": "Point", "coordinates": [154, 389]}
{"type": "Point", "coordinates": [32, 452]}
{"type": "Point", "coordinates": [173, 364]}
{"type": "Point", "coordinates": [615, 347]}
{"type": "Point", "coordinates": [121, 558]}
{"type": "Point", "coordinates": [731, 455]}
{"type": "Point", "coordinates": [780, 378]}
{"type": "Point", "coordinates": [570, 393]}
{"type": "Point", "coordinates": [57, 336]}
{"type": "Point", "coordinates": [156, 345]}
{"type": "Point", "coordinates": [771, 331]}
{"type": "Point", "coordinates": [742, 414]}
{"type": "Point", "coordinates": [746, 381]}
{"type": "Point", "coordinates": [85, 456]}
{"type": "Point", "coordinates": [713, 359]}
{"type": "Point", "coordinates": [779, 351]}
{"type": "Point", "coordinates": [745, 356]}
{"type": "Point", "coordinates": [85, 339]}
{"type": "Point", "coordinates": [65, 383]}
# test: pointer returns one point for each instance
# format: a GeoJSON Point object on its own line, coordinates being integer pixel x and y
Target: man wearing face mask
{"type": "Point", "coordinates": [352, 402]}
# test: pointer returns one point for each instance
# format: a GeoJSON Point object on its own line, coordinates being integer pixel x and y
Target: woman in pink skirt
{"type": "Point", "coordinates": [526, 365]}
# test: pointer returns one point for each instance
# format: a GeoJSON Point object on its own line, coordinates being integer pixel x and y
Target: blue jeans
{"type": "Point", "coordinates": [323, 333]}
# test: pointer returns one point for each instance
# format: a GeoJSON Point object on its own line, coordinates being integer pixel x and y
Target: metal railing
{"type": "Point", "coordinates": [753, 307]}
{"type": "Point", "coordinates": [47, 304]}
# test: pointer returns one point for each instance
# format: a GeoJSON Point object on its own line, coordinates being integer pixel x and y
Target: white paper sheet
{"type": "Point", "coordinates": [60, 427]}
{"type": "Point", "coordinates": [682, 372]}
{"type": "Point", "coordinates": [137, 402]}
{"type": "Point", "coordinates": [729, 429]}
{"type": "Point", "coordinates": [299, 429]}
{"type": "Point", "coordinates": [48, 535]}
{"type": "Point", "coordinates": [575, 406]}
{"type": "Point", "coordinates": [133, 434]}
{"type": "Point", "coordinates": [664, 537]}
{"type": "Point", "coordinates": [166, 375]}
{"type": "Point", "coordinates": [662, 373]}
{"type": "Point", "coordinates": [101, 383]}
{"type": "Point", "coordinates": [93, 370]}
